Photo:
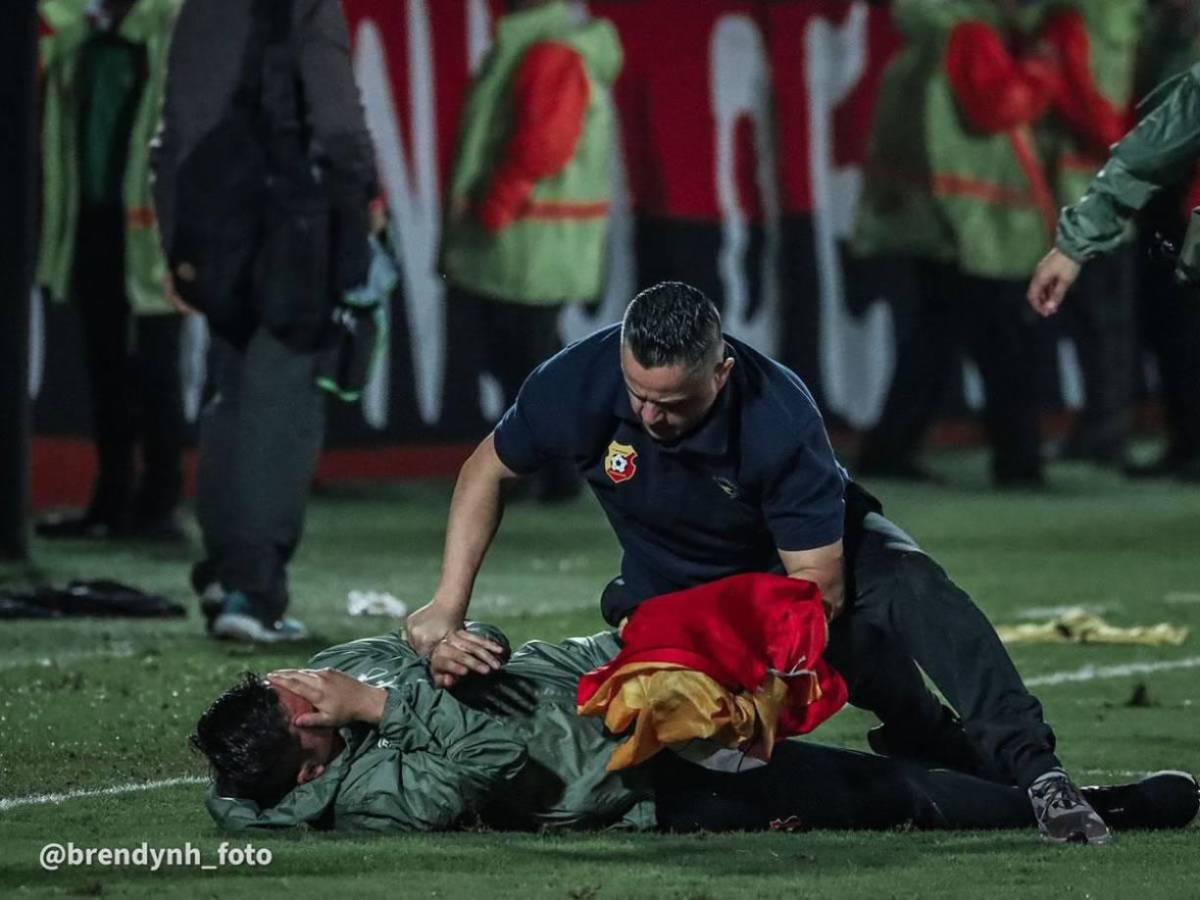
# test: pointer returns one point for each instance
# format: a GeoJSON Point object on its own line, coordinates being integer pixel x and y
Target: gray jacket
{"type": "Point", "coordinates": [205, 66]}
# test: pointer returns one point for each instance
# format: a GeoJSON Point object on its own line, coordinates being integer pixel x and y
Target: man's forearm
{"type": "Point", "coordinates": [824, 567]}
{"type": "Point", "coordinates": [475, 512]}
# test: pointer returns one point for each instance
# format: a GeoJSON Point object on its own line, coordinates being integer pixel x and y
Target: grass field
{"type": "Point", "coordinates": [87, 706]}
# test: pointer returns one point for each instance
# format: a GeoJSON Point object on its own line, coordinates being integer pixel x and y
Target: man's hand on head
{"type": "Point", "coordinates": [337, 698]}
{"type": "Point", "coordinates": [460, 653]}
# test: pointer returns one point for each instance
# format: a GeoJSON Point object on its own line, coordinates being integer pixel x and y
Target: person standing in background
{"type": "Point", "coordinates": [527, 223]}
{"type": "Point", "coordinates": [103, 66]}
{"type": "Point", "coordinates": [1156, 158]}
{"type": "Point", "coordinates": [1169, 313]}
{"type": "Point", "coordinates": [1095, 43]}
{"type": "Point", "coordinates": [955, 186]}
{"type": "Point", "coordinates": [265, 172]}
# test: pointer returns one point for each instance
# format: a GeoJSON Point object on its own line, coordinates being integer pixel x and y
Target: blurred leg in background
{"type": "Point", "coordinates": [1101, 320]}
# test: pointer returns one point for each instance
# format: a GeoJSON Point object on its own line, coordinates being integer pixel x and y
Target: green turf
{"type": "Point", "coordinates": [88, 705]}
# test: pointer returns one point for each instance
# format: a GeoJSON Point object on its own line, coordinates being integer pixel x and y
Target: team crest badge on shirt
{"type": "Point", "coordinates": [620, 463]}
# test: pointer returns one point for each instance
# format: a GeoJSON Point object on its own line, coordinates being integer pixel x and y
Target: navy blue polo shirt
{"type": "Point", "coordinates": [757, 476]}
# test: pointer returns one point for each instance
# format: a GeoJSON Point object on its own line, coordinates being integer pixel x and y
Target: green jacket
{"type": "Point", "coordinates": [1114, 29]}
{"type": "Point", "coordinates": [936, 188]}
{"type": "Point", "coordinates": [554, 252]}
{"type": "Point", "coordinates": [507, 749]}
{"type": "Point", "coordinates": [1159, 153]}
{"type": "Point", "coordinates": [148, 24]}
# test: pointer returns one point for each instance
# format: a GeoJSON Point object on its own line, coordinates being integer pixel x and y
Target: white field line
{"type": "Point", "coordinates": [118, 651]}
{"type": "Point", "coordinates": [1100, 673]}
{"type": "Point", "coordinates": [8, 803]}
{"type": "Point", "coordinates": [1053, 612]}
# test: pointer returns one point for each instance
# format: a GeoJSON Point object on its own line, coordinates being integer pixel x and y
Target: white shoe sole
{"type": "Point", "coordinates": [238, 627]}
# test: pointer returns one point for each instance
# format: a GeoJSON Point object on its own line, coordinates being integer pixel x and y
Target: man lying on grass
{"type": "Point", "coordinates": [363, 740]}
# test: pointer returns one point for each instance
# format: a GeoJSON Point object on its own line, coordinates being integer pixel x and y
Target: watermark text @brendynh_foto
{"type": "Point", "coordinates": [143, 856]}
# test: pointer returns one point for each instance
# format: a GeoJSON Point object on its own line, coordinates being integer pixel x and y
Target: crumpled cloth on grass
{"type": "Point", "coordinates": [1078, 626]}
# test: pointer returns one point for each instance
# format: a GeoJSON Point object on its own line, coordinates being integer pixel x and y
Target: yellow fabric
{"type": "Point", "coordinates": [668, 704]}
{"type": "Point", "coordinates": [1080, 627]}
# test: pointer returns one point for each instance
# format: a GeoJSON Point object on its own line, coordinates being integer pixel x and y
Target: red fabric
{"type": "Point", "coordinates": [736, 631]}
{"type": "Point", "coordinates": [550, 98]}
{"type": "Point", "coordinates": [1089, 115]}
{"type": "Point", "coordinates": [995, 90]}
{"type": "Point", "coordinates": [787, 24]}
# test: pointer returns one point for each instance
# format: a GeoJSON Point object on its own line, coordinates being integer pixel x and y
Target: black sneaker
{"type": "Point", "coordinates": [1063, 815]}
{"type": "Point", "coordinates": [1160, 800]}
{"type": "Point", "coordinates": [166, 529]}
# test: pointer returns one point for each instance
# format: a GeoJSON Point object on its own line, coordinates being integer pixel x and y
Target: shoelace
{"type": "Point", "coordinates": [1059, 793]}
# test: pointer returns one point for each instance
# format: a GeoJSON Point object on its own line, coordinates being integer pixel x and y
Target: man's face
{"type": "Point", "coordinates": [672, 400]}
{"type": "Point", "coordinates": [319, 745]}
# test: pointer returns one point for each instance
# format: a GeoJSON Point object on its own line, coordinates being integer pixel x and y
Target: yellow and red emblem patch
{"type": "Point", "coordinates": [620, 463]}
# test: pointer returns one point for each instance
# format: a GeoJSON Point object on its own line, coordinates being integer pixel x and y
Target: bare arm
{"type": "Point", "coordinates": [824, 566]}
{"type": "Point", "coordinates": [475, 513]}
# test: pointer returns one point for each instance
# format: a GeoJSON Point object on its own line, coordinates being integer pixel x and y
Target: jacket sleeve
{"type": "Point", "coordinates": [550, 97]}
{"type": "Point", "coordinates": [995, 91]}
{"type": "Point", "coordinates": [447, 760]}
{"type": "Point", "coordinates": [1159, 152]}
{"type": "Point", "coordinates": [1086, 112]}
{"type": "Point", "coordinates": [334, 112]}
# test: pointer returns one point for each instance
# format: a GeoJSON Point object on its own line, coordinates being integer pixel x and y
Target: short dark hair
{"type": "Point", "coordinates": [245, 737]}
{"type": "Point", "coordinates": [672, 323]}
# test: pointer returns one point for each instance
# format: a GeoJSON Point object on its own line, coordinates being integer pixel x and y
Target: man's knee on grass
{"type": "Point", "coordinates": [254, 750]}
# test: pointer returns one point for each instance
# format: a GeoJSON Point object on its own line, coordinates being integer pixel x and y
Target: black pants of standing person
{"type": "Point", "coordinates": [1101, 318]}
{"type": "Point", "coordinates": [510, 340]}
{"type": "Point", "coordinates": [133, 366]}
{"type": "Point", "coordinates": [902, 612]}
{"type": "Point", "coordinates": [260, 442]}
{"type": "Point", "coordinates": [990, 320]}
{"type": "Point", "coordinates": [1170, 314]}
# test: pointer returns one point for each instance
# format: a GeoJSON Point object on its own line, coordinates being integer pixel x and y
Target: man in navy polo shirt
{"type": "Point", "coordinates": [709, 460]}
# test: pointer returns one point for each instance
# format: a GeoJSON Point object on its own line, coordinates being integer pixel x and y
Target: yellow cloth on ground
{"type": "Point", "coordinates": [671, 704]}
{"type": "Point", "coordinates": [1078, 626]}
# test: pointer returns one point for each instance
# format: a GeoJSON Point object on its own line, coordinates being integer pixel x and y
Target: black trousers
{"type": "Point", "coordinates": [508, 340]}
{"type": "Point", "coordinates": [260, 442]}
{"type": "Point", "coordinates": [904, 615]}
{"type": "Point", "coordinates": [1101, 319]}
{"type": "Point", "coordinates": [1171, 323]}
{"type": "Point", "coordinates": [807, 786]}
{"type": "Point", "coordinates": [989, 320]}
{"type": "Point", "coordinates": [133, 365]}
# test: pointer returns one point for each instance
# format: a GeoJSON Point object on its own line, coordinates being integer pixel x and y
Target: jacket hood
{"type": "Point", "coordinates": [601, 48]}
{"type": "Point", "coordinates": [596, 39]}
